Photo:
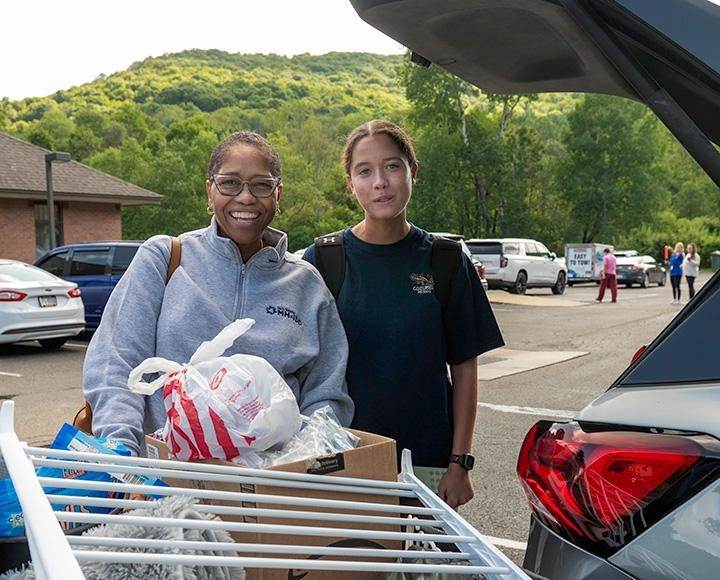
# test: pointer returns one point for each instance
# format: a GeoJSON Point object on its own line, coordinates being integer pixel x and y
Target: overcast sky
{"type": "Point", "coordinates": [50, 45]}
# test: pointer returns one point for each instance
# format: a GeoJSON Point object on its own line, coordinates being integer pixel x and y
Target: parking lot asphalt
{"type": "Point", "coordinates": [563, 357]}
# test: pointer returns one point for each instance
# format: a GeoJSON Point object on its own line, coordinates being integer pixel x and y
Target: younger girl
{"type": "Point", "coordinates": [676, 262]}
{"type": "Point", "coordinates": [400, 339]}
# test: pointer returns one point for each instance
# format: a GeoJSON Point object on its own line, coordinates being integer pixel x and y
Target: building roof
{"type": "Point", "coordinates": [22, 176]}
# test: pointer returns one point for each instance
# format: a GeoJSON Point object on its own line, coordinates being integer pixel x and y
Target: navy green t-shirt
{"type": "Point", "coordinates": [397, 374]}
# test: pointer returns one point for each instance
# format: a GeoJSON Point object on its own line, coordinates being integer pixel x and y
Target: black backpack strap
{"type": "Point", "coordinates": [444, 261]}
{"type": "Point", "coordinates": [331, 260]}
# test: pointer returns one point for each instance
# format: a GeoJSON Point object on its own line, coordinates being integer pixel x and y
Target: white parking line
{"type": "Point", "coordinates": [10, 374]}
{"type": "Point", "coordinates": [637, 296]}
{"type": "Point", "coordinates": [528, 410]}
{"type": "Point", "coordinates": [508, 543]}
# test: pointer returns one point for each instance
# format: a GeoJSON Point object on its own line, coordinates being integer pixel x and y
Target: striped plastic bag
{"type": "Point", "coordinates": [219, 406]}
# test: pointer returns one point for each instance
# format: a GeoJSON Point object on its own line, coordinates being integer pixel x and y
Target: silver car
{"type": "Point", "coordinates": [630, 488]}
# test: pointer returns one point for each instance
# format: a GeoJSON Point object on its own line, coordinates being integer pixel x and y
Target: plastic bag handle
{"type": "Point", "coordinates": [151, 365]}
{"type": "Point", "coordinates": [217, 346]}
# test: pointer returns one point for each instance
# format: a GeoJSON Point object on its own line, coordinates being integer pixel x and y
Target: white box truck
{"type": "Point", "coordinates": [584, 262]}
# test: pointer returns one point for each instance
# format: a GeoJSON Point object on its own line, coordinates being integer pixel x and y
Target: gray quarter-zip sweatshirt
{"type": "Point", "coordinates": [297, 328]}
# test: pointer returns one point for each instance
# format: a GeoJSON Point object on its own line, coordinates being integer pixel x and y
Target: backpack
{"type": "Point", "coordinates": [83, 418]}
{"type": "Point", "coordinates": [445, 260]}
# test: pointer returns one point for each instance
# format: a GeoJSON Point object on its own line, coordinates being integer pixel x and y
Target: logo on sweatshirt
{"type": "Point", "coordinates": [422, 283]}
{"type": "Point", "coordinates": [285, 312]}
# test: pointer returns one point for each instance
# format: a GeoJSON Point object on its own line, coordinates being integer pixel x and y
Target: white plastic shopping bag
{"type": "Point", "coordinates": [217, 406]}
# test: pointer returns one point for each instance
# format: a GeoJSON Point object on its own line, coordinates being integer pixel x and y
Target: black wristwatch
{"type": "Point", "coordinates": [465, 460]}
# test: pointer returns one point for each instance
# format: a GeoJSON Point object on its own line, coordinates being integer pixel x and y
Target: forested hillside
{"type": "Point", "coordinates": [556, 167]}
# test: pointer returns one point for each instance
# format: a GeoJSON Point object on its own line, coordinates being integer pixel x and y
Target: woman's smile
{"type": "Point", "coordinates": [244, 216]}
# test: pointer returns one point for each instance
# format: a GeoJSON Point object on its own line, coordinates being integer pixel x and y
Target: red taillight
{"type": "Point", "coordinates": [602, 488]}
{"type": "Point", "coordinates": [74, 293]}
{"type": "Point", "coordinates": [503, 261]}
{"type": "Point", "coordinates": [480, 269]}
{"type": "Point", "coordinates": [638, 352]}
{"type": "Point", "coordinates": [11, 296]}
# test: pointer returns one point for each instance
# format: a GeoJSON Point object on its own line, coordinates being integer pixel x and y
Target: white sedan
{"type": "Point", "coordinates": [36, 305]}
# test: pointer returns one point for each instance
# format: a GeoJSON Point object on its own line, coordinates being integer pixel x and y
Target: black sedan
{"type": "Point", "coordinates": [642, 270]}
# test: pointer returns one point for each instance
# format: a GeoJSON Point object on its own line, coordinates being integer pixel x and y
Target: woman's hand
{"type": "Point", "coordinates": [455, 487]}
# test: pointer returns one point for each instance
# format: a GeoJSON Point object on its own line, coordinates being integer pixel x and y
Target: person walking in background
{"type": "Point", "coordinates": [676, 270]}
{"type": "Point", "coordinates": [608, 277]}
{"type": "Point", "coordinates": [691, 267]}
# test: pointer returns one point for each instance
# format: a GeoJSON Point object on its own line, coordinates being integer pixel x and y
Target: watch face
{"type": "Point", "coordinates": [467, 461]}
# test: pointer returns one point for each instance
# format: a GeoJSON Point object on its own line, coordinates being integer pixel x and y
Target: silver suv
{"type": "Point", "coordinates": [516, 264]}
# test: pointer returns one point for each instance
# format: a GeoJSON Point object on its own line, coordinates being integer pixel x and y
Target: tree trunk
{"type": "Point", "coordinates": [605, 195]}
{"type": "Point", "coordinates": [481, 196]}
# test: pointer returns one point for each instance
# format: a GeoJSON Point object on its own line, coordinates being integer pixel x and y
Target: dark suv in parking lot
{"type": "Point", "coordinates": [95, 267]}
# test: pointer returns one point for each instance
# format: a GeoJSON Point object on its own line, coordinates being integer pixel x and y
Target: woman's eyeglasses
{"type": "Point", "coordinates": [231, 185]}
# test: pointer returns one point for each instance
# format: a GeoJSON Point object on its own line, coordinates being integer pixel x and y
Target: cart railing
{"type": "Point", "coordinates": [58, 556]}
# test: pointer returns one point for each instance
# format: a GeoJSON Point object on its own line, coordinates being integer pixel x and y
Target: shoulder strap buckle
{"type": "Point", "coordinates": [331, 260]}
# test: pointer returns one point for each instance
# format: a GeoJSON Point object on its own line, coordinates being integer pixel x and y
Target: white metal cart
{"type": "Point", "coordinates": [58, 556]}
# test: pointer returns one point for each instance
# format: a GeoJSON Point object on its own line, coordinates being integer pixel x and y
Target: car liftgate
{"type": "Point", "coordinates": [56, 555]}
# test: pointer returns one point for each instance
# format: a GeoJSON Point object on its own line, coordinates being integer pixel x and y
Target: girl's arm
{"type": "Point", "coordinates": [455, 486]}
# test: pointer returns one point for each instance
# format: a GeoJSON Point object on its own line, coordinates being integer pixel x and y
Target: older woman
{"type": "Point", "coordinates": [235, 268]}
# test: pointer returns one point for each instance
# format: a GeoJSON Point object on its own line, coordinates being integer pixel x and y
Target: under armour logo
{"type": "Point", "coordinates": [329, 240]}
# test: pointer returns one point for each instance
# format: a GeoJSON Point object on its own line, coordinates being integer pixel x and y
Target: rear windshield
{"type": "Point", "coordinates": [12, 273]}
{"type": "Point", "coordinates": [688, 350]}
{"type": "Point", "coordinates": [485, 247]}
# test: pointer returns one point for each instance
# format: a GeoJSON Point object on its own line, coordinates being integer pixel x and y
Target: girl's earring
{"type": "Point", "coordinates": [210, 210]}
{"type": "Point", "coordinates": [278, 211]}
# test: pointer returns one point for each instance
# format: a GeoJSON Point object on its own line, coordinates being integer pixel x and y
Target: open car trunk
{"type": "Point", "coordinates": [663, 53]}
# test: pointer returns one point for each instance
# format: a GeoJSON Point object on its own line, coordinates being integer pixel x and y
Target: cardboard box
{"type": "Point", "coordinates": [374, 458]}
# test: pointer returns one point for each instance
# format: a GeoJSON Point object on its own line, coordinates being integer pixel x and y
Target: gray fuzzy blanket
{"type": "Point", "coordinates": [172, 507]}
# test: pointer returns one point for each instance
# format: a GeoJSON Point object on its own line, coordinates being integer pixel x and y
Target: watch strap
{"type": "Point", "coordinates": [465, 460]}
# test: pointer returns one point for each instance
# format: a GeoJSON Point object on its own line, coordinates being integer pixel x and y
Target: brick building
{"type": "Point", "coordinates": [87, 201]}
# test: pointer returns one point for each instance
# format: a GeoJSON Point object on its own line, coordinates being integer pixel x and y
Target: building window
{"type": "Point", "coordinates": [42, 228]}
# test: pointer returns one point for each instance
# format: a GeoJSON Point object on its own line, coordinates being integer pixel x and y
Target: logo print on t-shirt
{"type": "Point", "coordinates": [422, 283]}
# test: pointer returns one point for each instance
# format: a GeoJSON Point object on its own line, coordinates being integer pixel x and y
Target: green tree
{"type": "Point", "coordinates": [692, 193]}
{"type": "Point", "coordinates": [608, 173]}
{"type": "Point", "coordinates": [83, 143]}
{"type": "Point", "coordinates": [473, 166]}
{"type": "Point", "coordinates": [4, 120]}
